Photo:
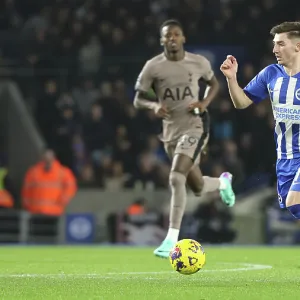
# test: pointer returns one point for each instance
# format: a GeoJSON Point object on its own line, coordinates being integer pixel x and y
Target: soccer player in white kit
{"type": "Point", "coordinates": [174, 75]}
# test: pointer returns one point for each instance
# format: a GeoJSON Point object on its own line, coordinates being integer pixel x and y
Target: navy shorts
{"type": "Point", "coordinates": [288, 178]}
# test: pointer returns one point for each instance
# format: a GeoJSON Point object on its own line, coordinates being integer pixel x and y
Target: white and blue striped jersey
{"type": "Point", "coordinates": [284, 92]}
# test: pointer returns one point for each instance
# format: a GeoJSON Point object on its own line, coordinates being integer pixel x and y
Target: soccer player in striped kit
{"type": "Point", "coordinates": [281, 82]}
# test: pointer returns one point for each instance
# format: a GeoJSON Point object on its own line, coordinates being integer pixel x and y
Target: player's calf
{"type": "Point", "coordinates": [201, 185]}
{"type": "Point", "coordinates": [181, 165]}
{"type": "Point", "coordinates": [178, 200]}
{"type": "Point", "coordinates": [177, 182]}
{"type": "Point", "coordinates": [195, 180]}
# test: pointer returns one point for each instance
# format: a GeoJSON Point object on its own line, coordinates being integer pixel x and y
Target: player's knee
{"type": "Point", "coordinates": [293, 198]}
{"type": "Point", "coordinates": [293, 203]}
{"type": "Point", "coordinates": [176, 179]}
{"type": "Point", "coordinates": [295, 210]}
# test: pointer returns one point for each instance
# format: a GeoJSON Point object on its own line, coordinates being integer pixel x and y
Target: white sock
{"type": "Point", "coordinates": [222, 184]}
{"type": "Point", "coordinates": [173, 234]}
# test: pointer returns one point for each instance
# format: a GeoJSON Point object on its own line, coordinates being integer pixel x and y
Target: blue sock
{"type": "Point", "coordinates": [295, 210]}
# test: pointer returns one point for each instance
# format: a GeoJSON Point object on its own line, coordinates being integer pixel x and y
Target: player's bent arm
{"type": "Point", "coordinates": [141, 101]}
{"type": "Point", "coordinates": [211, 90]}
{"type": "Point", "coordinates": [239, 98]}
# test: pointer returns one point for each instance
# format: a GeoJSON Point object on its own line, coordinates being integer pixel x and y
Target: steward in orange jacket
{"type": "Point", "coordinates": [137, 207]}
{"type": "Point", "coordinates": [48, 187]}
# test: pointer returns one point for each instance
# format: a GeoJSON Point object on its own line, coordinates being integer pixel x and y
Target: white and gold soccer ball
{"type": "Point", "coordinates": [187, 257]}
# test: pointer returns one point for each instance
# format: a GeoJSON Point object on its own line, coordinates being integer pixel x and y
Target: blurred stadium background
{"type": "Point", "coordinates": [68, 70]}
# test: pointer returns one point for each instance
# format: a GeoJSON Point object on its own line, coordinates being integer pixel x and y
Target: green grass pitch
{"type": "Point", "coordinates": [75, 272]}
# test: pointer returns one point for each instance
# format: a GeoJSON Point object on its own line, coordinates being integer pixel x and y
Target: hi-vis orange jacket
{"type": "Point", "coordinates": [135, 209]}
{"type": "Point", "coordinates": [48, 192]}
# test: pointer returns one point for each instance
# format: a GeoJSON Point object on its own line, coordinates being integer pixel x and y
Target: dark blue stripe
{"type": "Point", "coordinates": [283, 90]}
{"type": "Point", "coordinates": [283, 140]}
{"type": "Point", "coordinates": [271, 94]}
{"type": "Point", "coordinates": [295, 143]}
{"type": "Point", "coordinates": [275, 138]}
{"type": "Point", "coordinates": [296, 101]}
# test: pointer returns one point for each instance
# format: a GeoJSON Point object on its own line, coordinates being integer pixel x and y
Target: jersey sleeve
{"type": "Point", "coordinates": [257, 89]}
{"type": "Point", "coordinates": [145, 79]}
{"type": "Point", "coordinates": [208, 73]}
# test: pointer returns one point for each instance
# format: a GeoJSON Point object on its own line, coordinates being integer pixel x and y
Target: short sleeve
{"type": "Point", "coordinates": [257, 89]}
{"type": "Point", "coordinates": [145, 79]}
{"type": "Point", "coordinates": [208, 73]}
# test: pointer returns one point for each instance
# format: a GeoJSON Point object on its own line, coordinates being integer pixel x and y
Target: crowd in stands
{"type": "Point", "coordinates": [77, 61]}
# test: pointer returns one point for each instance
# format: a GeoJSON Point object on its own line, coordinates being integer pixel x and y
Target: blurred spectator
{"type": "Point", "coordinates": [137, 207]}
{"type": "Point", "coordinates": [79, 64]}
{"type": "Point", "coordinates": [66, 128]}
{"type": "Point", "coordinates": [89, 57]}
{"type": "Point", "coordinates": [48, 187]}
{"type": "Point", "coordinates": [79, 150]}
{"type": "Point", "coordinates": [97, 132]}
{"type": "Point", "coordinates": [214, 223]}
{"type": "Point", "coordinates": [224, 123]}
{"type": "Point", "coordinates": [85, 95]}
{"type": "Point", "coordinates": [233, 163]}
{"type": "Point", "coordinates": [146, 172]}
{"type": "Point", "coordinates": [117, 179]}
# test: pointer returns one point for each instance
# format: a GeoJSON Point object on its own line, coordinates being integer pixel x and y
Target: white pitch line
{"type": "Point", "coordinates": [112, 275]}
{"type": "Point", "coordinates": [245, 267]}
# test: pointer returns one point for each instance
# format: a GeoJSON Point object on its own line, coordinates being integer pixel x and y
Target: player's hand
{"type": "Point", "coordinates": [229, 67]}
{"type": "Point", "coordinates": [200, 105]}
{"type": "Point", "coordinates": [161, 111]}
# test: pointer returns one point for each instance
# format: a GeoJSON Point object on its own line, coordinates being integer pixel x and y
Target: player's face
{"type": "Point", "coordinates": [172, 38]}
{"type": "Point", "coordinates": [285, 49]}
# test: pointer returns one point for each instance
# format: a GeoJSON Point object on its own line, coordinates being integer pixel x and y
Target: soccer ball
{"type": "Point", "coordinates": [187, 257]}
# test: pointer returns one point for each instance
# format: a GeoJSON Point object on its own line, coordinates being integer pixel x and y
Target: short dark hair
{"type": "Point", "coordinates": [170, 22]}
{"type": "Point", "coordinates": [291, 28]}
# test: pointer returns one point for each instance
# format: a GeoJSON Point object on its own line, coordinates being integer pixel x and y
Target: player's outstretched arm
{"type": "Point", "coordinates": [229, 69]}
